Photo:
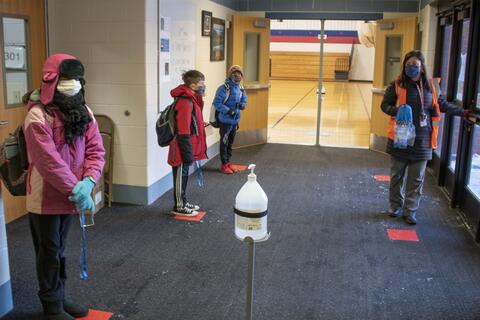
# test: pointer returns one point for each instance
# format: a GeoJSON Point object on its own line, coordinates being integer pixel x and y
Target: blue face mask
{"type": "Point", "coordinates": [236, 78]}
{"type": "Point", "coordinates": [412, 70]}
{"type": "Point", "coordinates": [200, 90]}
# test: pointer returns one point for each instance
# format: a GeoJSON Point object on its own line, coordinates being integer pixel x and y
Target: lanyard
{"type": "Point", "coordinates": [200, 179]}
{"type": "Point", "coordinates": [83, 248]}
{"type": "Point", "coordinates": [420, 92]}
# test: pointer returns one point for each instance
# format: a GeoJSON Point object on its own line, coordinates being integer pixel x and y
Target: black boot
{"type": "Point", "coordinates": [58, 316]}
{"type": "Point", "coordinates": [75, 310]}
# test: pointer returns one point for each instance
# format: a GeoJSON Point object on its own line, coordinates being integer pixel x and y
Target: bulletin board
{"type": "Point", "coordinates": [177, 21]}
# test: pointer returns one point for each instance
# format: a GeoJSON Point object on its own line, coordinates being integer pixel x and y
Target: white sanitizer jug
{"type": "Point", "coordinates": [251, 209]}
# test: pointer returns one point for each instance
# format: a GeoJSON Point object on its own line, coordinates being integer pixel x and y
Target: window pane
{"type": "Point", "coordinates": [15, 60]}
{"type": "Point", "coordinates": [462, 60]}
{"type": "Point", "coordinates": [17, 86]}
{"type": "Point", "coordinates": [251, 60]}
{"type": "Point", "coordinates": [474, 169]}
{"type": "Point", "coordinates": [438, 151]}
{"type": "Point", "coordinates": [454, 142]}
{"type": "Point", "coordinates": [447, 41]}
{"type": "Point", "coordinates": [393, 55]}
{"type": "Point", "coordinates": [478, 87]}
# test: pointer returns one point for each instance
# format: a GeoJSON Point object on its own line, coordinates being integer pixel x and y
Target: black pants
{"type": "Point", "coordinates": [180, 180]}
{"type": "Point", "coordinates": [226, 141]}
{"type": "Point", "coordinates": [49, 233]}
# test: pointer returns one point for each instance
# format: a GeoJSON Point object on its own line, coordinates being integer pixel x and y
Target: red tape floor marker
{"type": "Point", "coordinates": [402, 235]}
{"type": "Point", "coordinates": [196, 218]}
{"type": "Point", "coordinates": [382, 178]}
{"type": "Point", "coordinates": [97, 315]}
{"type": "Point", "coordinates": [238, 167]}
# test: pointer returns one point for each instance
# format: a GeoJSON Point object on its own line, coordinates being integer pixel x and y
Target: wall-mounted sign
{"type": "Point", "coordinates": [260, 24]}
{"type": "Point", "coordinates": [386, 26]}
{"type": "Point", "coordinates": [15, 57]}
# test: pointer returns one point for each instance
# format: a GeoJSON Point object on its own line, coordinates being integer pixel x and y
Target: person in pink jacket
{"type": "Point", "coordinates": [66, 158]}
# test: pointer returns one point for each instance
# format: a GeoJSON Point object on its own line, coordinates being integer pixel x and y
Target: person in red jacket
{"type": "Point", "coordinates": [190, 143]}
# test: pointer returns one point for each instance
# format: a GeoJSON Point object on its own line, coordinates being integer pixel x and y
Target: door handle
{"type": "Point", "coordinates": [3, 122]}
{"type": "Point", "coordinates": [378, 90]}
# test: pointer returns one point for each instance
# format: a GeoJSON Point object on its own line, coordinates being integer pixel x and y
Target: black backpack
{"type": "Point", "coordinates": [14, 163]}
{"type": "Point", "coordinates": [166, 126]}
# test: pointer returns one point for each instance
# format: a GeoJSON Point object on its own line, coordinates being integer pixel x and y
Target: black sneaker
{"type": "Point", "coordinates": [185, 212]}
{"type": "Point", "coordinates": [410, 219]}
{"type": "Point", "coordinates": [192, 206]}
{"type": "Point", "coordinates": [74, 309]}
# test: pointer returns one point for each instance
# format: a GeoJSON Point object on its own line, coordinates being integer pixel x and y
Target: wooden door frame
{"type": "Point", "coordinates": [35, 13]}
{"type": "Point", "coordinates": [254, 123]}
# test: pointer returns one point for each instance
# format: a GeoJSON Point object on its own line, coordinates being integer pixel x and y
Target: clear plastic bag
{"type": "Point", "coordinates": [404, 135]}
{"type": "Point", "coordinates": [404, 128]}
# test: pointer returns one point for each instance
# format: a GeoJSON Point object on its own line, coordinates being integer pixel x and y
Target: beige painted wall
{"type": "Point", "coordinates": [117, 42]}
{"type": "Point", "coordinates": [109, 37]}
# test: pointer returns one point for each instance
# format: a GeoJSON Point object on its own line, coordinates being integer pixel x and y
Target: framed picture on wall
{"type": "Point", "coordinates": [217, 40]}
{"type": "Point", "coordinates": [206, 23]}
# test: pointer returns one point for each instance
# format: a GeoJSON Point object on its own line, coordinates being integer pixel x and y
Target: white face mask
{"type": "Point", "coordinates": [69, 87]}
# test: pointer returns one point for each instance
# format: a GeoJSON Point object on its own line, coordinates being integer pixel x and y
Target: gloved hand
{"type": "Point", "coordinates": [86, 204]}
{"type": "Point", "coordinates": [240, 106]}
{"type": "Point", "coordinates": [404, 114]}
{"type": "Point", "coordinates": [82, 190]}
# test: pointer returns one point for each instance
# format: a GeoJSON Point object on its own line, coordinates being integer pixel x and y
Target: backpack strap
{"type": "Point", "coordinates": [227, 91]}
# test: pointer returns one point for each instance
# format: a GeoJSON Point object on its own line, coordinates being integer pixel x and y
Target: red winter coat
{"type": "Point", "coordinates": [190, 142]}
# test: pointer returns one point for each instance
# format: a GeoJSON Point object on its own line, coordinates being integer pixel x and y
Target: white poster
{"type": "Point", "coordinates": [183, 47]}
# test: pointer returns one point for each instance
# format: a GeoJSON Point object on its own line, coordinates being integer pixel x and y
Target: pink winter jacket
{"type": "Point", "coordinates": [54, 166]}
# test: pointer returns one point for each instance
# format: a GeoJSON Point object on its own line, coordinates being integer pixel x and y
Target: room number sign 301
{"type": "Point", "coordinates": [14, 57]}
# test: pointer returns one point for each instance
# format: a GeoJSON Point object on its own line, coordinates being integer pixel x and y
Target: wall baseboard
{"type": "Point", "coordinates": [378, 143]}
{"type": "Point", "coordinates": [6, 301]}
{"type": "Point", "coordinates": [250, 138]}
{"type": "Point", "coordinates": [147, 195]}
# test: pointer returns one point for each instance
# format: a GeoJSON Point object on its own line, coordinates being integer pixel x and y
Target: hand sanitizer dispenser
{"type": "Point", "coordinates": [251, 209]}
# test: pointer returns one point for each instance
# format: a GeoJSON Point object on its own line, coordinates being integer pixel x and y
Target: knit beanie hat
{"type": "Point", "coordinates": [234, 68]}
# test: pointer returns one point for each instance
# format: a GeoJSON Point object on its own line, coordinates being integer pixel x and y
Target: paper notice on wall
{"type": "Point", "coordinates": [165, 24]}
{"type": "Point", "coordinates": [165, 70]}
{"type": "Point", "coordinates": [183, 47]}
{"type": "Point", "coordinates": [165, 49]}
{"type": "Point", "coordinates": [165, 45]}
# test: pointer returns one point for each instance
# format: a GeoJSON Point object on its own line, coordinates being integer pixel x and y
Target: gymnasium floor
{"type": "Point", "coordinates": [346, 111]}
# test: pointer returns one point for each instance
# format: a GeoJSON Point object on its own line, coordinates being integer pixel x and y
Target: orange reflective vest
{"type": "Point", "coordinates": [402, 99]}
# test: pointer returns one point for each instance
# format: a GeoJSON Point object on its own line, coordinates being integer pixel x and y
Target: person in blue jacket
{"type": "Point", "coordinates": [229, 99]}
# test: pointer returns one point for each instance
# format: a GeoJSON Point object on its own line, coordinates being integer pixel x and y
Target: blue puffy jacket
{"type": "Point", "coordinates": [236, 101]}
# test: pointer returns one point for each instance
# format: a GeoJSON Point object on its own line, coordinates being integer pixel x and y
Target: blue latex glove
{"type": "Point", "coordinates": [86, 204]}
{"type": "Point", "coordinates": [82, 191]}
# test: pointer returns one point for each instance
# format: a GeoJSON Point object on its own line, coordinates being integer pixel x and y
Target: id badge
{"type": "Point", "coordinates": [423, 120]}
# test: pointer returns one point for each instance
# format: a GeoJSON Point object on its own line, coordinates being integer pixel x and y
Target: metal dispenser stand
{"type": "Point", "coordinates": [251, 273]}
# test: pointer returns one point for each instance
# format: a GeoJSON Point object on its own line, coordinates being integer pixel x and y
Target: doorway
{"type": "Point", "coordinates": [347, 82]}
